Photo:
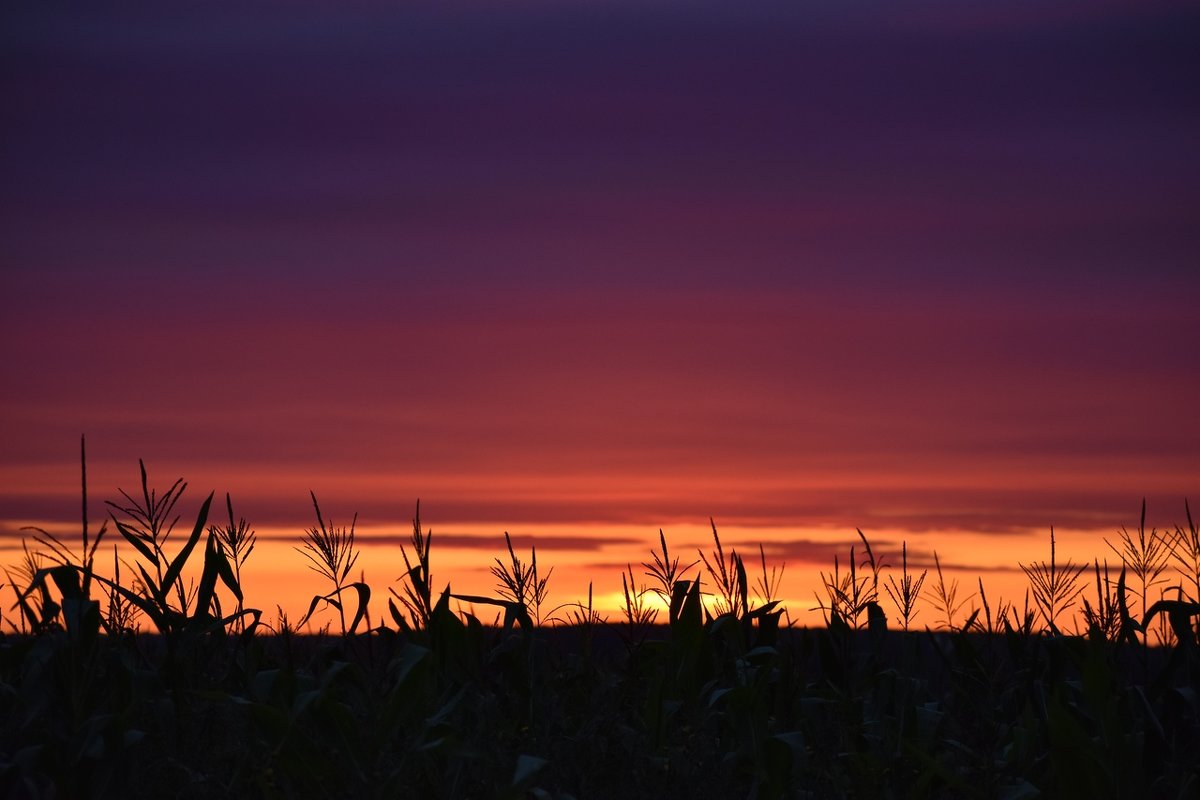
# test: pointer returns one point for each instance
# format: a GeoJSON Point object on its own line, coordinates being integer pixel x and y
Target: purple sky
{"type": "Point", "coordinates": [913, 266]}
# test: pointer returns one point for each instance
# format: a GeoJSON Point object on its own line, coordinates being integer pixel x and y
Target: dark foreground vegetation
{"type": "Point", "coordinates": [145, 687]}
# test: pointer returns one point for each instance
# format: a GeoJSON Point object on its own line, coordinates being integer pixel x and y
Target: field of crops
{"type": "Point", "coordinates": [140, 682]}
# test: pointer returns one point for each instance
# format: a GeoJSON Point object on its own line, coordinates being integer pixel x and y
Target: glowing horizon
{"type": "Point", "coordinates": [277, 576]}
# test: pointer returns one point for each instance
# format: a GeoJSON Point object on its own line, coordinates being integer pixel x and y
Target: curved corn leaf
{"type": "Point", "coordinates": [185, 552]}
{"type": "Point", "coordinates": [208, 579]}
{"type": "Point", "coordinates": [364, 597]}
{"type": "Point", "coordinates": [137, 541]}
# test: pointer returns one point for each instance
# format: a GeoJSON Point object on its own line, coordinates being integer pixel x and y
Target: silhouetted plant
{"type": "Point", "coordinates": [1104, 618]}
{"type": "Point", "coordinates": [59, 552]}
{"type": "Point", "coordinates": [1146, 555]}
{"type": "Point", "coordinates": [283, 625]}
{"type": "Point", "coordinates": [990, 623]}
{"type": "Point", "coordinates": [1186, 551]}
{"type": "Point", "coordinates": [330, 551]}
{"type": "Point", "coordinates": [638, 615]}
{"type": "Point", "coordinates": [847, 595]}
{"type": "Point", "coordinates": [120, 614]}
{"type": "Point", "coordinates": [148, 525]}
{"type": "Point", "coordinates": [586, 619]}
{"type": "Point", "coordinates": [236, 541]}
{"type": "Point", "coordinates": [907, 592]}
{"type": "Point", "coordinates": [767, 586]}
{"type": "Point", "coordinates": [1055, 588]}
{"type": "Point", "coordinates": [160, 596]}
{"type": "Point", "coordinates": [418, 589]}
{"type": "Point", "coordinates": [729, 578]}
{"type": "Point", "coordinates": [38, 612]}
{"type": "Point", "coordinates": [946, 596]}
{"type": "Point", "coordinates": [1021, 623]}
{"type": "Point", "coordinates": [520, 583]}
{"type": "Point", "coordinates": [876, 566]}
{"type": "Point", "coordinates": [581, 615]}
{"type": "Point", "coordinates": [665, 571]}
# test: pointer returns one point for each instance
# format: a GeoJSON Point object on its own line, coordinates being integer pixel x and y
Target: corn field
{"type": "Point", "coordinates": [122, 678]}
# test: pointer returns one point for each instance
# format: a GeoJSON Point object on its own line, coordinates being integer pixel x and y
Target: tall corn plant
{"type": "Point", "coordinates": [664, 571]}
{"type": "Point", "coordinates": [521, 584]}
{"type": "Point", "coordinates": [637, 613]}
{"type": "Point", "coordinates": [162, 596]}
{"type": "Point", "coordinates": [121, 615]}
{"type": "Point", "coordinates": [989, 622]}
{"type": "Point", "coordinates": [907, 591]}
{"type": "Point", "coordinates": [159, 592]}
{"type": "Point", "coordinates": [728, 576]}
{"type": "Point", "coordinates": [417, 598]}
{"type": "Point", "coordinates": [236, 541]}
{"type": "Point", "coordinates": [844, 594]}
{"type": "Point", "coordinates": [767, 586]}
{"type": "Point", "coordinates": [1021, 622]}
{"type": "Point", "coordinates": [945, 596]}
{"type": "Point", "coordinates": [1145, 554]}
{"type": "Point", "coordinates": [1055, 586]}
{"type": "Point", "coordinates": [37, 609]}
{"type": "Point", "coordinates": [147, 524]}
{"type": "Point", "coordinates": [586, 619]}
{"type": "Point", "coordinates": [1103, 619]}
{"type": "Point", "coordinates": [850, 594]}
{"type": "Point", "coordinates": [331, 554]}
{"type": "Point", "coordinates": [1185, 550]}
{"type": "Point", "coordinates": [72, 574]}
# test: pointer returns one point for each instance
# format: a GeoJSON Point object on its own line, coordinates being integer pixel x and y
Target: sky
{"type": "Point", "coordinates": [584, 271]}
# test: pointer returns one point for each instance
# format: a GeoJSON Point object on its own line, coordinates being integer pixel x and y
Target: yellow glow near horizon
{"type": "Point", "coordinates": [276, 577]}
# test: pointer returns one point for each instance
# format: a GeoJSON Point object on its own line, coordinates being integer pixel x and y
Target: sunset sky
{"type": "Point", "coordinates": [581, 271]}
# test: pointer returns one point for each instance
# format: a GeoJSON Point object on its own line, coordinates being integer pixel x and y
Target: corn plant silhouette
{"type": "Point", "coordinates": [945, 596]}
{"type": "Point", "coordinates": [521, 585]}
{"type": "Point", "coordinates": [161, 593]}
{"type": "Point", "coordinates": [330, 551]}
{"type": "Point", "coordinates": [417, 598]}
{"type": "Point", "coordinates": [1104, 618]}
{"type": "Point", "coordinates": [907, 591]}
{"type": "Point", "coordinates": [665, 571]}
{"type": "Point", "coordinates": [729, 576]}
{"type": "Point", "coordinates": [851, 594]}
{"type": "Point", "coordinates": [991, 622]}
{"type": "Point", "coordinates": [236, 541]}
{"type": "Point", "coordinates": [148, 525]}
{"type": "Point", "coordinates": [158, 591]}
{"type": "Point", "coordinates": [1055, 587]}
{"type": "Point", "coordinates": [638, 614]}
{"type": "Point", "coordinates": [1186, 551]}
{"type": "Point", "coordinates": [586, 619]}
{"type": "Point", "coordinates": [120, 615]}
{"type": "Point", "coordinates": [1020, 622]}
{"type": "Point", "coordinates": [1145, 555]}
{"type": "Point", "coordinates": [59, 552]}
{"type": "Point", "coordinates": [38, 611]}
{"type": "Point", "coordinates": [72, 574]}
{"type": "Point", "coordinates": [767, 586]}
